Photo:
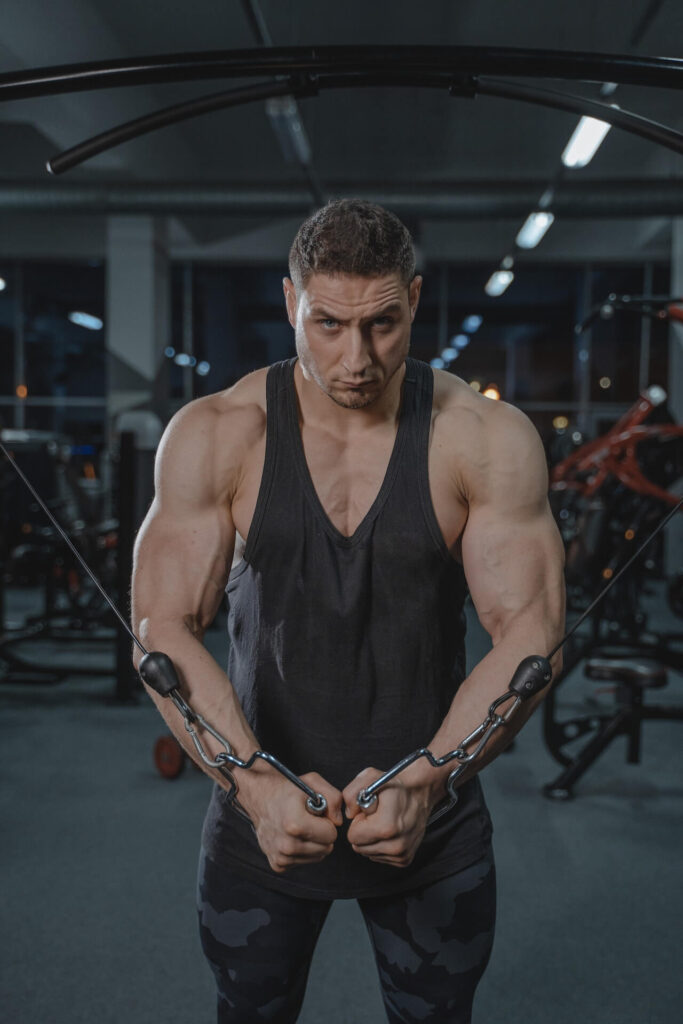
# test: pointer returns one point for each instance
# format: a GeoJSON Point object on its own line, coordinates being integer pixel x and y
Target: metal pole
{"type": "Point", "coordinates": [511, 365]}
{"type": "Point", "coordinates": [582, 355]}
{"type": "Point", "coordinates": [19, 355]}
{"type": "Point", "coordinates": [645, 331]}
{"type": "Point", "coordinates": [188, 331]}
{"type": "Point", "coordinates": [126, 684]}
{"type": "Point", "coordinates": [442, 329]}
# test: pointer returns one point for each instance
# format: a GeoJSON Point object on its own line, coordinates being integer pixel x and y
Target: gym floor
{"type": "Point", "coordinates": [99, 857]}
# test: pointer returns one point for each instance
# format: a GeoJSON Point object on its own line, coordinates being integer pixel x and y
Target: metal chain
{"type": "Point", "coordinates": [367, 797]}
{"type": "Point", "coordinates": [223, 761]}
{"type": "Point", "coordinates": [531, 675]}
{"type": "Point", "coordinates": [493, 721]}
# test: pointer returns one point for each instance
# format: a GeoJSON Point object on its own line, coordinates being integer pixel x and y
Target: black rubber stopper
{"type": "Point", "coordinates": [531, 675]}
{"type": "Point", "coordinates": [158, 671]}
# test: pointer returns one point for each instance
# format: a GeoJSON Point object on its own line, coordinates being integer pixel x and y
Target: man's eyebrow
{"type": "Point", "coordinates": [393, 307]}
{"type": "Point", "coordinates": [320, 311]}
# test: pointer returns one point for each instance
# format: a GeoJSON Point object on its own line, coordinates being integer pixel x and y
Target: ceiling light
{"type": "Point", "coordinates": [92, 323]}
{"type": "Point", "coordinates": [437, 363]}
{"type": "Point", "coordinates": [605, 383]}
{"type": "Point", "coordinates": [3, 284]}
{"type": "Point", "coordinates": [491, 392]}
{"type": "Point", "coordinates": [449, 354]}
{"type": "Point", "coordinates": [533, 229]}
{"type": "Point", "coordinates": [169, 352]}
{"type": "Point", "coordinates": [498, 282]}
{"type": "Point", "coordinates": [460, 341]}
{"type": "Point", "coordinates": [288, 127]}
{"type": "Point", "coordinates": [560, 423]}
{"type": "Point", "coordinates": [182, 359]}
{"type": "Point", "coordinates": [472, 323]}
{"type": "Point", "coordinates": [585, 141]}
{"type": "Point", "coordinates": [203, 368]}
{"type": "Point", "coordinates": [475, 385]}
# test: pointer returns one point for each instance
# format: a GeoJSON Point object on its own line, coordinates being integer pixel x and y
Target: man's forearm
{"type": "Point", "coordinates": [207, 689]}
{"type": "Point", "coordinates": [488, 681]}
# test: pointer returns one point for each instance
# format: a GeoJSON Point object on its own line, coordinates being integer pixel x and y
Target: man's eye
{"type": "Point", "coordinates": [328, 323]}
{"type": "Point", "coordinates": [383, 321]}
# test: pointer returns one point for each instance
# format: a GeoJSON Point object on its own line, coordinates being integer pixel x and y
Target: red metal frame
{"type": "Point", "coordinates": [614, 454]}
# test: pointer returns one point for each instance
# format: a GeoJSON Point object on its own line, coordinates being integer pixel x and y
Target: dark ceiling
{"type": "Point", "coordinates": [421, 144]}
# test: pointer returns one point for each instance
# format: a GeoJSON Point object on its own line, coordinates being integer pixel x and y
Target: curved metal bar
{"type": "Point", "coordinates": [624, 69]}
{"type": "Point", "coordinates": [169, 115]}
{"type": "Point", "coordinates": [636, 124]}
{"type": "Point", "coordinates": [467, 86]}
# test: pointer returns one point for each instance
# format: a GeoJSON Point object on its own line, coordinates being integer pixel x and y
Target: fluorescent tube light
{"type": "Point", "coordinates": [92, 323]}
{"type": "Point", "coordinates": [289, 129]}
{"type": "Point", "coordinates": [533, 229]}
{"type": "Point", "coordinates": [498, 282]}
{"type": "Point", "coordinates": [585, 142]}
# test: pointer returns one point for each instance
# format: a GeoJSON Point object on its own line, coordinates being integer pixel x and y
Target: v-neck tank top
{"type": "Point", "coordinates": [346, 652]}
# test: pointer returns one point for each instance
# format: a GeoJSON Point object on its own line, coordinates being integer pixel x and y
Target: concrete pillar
{"type": "Point", "coordinates": [138, 315]}
{"type": "Point", "coordinates": [674, 529]}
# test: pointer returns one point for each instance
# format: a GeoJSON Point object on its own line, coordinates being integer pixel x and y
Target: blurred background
{"type": "Point", "coordinates": [552, 256]}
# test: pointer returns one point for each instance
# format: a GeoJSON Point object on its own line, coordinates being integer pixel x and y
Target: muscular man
{"type": "Point", "coordinates": [356, 494]}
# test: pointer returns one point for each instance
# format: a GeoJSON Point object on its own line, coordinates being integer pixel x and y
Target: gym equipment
{"type": "Point", "coordinates": [306, 71]}
{"type": "Point", "coordinates": [169, 757]}
{"type": "Point", "coordinates": [73, 606]}
{"type": "Point", "coordinates": [157, 671]}
{"type": "Point", "coordinates": [655, 307]}
{"type": "Point", "coordinates": [634, 676]}
{"type": "Point", "coordinates": [607, 502]}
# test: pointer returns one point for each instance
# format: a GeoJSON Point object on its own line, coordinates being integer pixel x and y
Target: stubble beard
{"type": "Point", "coordinates": [350, 402]}
{"type": "Point", "coordinates": [353, 402]}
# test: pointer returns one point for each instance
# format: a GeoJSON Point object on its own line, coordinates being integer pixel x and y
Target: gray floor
{"type": "Point", "coordinates": [98, 864]}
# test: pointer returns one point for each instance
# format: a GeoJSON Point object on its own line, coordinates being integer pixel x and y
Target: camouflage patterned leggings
{"type": "Point", "coordinates": [431, 945]}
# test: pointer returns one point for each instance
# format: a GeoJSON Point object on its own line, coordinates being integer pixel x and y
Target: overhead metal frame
{"type": "Point", "coordinates": [305, 71]}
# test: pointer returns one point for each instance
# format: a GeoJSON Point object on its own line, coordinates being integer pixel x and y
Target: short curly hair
{"type": "Point", "coordinates": [352, 236]}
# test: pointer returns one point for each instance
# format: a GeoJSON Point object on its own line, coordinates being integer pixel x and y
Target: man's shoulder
{"type": "Point", "coordinates": [482, 435]}
{"type": "Point", "coordinates": [237, 412]}
{"type": "Point", "coordinates": [212, 438]}
{"type": "Point", "coordinates": [487, 419]}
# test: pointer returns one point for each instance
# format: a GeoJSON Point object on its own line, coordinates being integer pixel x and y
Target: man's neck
{"type": "Point", "coordinates": [317, 408]}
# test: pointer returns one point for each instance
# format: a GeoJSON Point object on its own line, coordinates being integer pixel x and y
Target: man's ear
{"type": "Point", "coordinates": [289, 289]}
{"type": "Point", "coordinates": [414, 295]}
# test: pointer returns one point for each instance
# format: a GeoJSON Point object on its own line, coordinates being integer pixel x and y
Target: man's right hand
{"type": "Point", "coordinates": [289, 834]}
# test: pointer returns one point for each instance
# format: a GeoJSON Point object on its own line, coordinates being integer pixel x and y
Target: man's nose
{"type": "Point", "coordinates": [357, 357]}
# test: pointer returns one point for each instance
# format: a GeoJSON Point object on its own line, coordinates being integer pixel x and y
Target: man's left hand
{"type": "Point", "coordinates": [392, 830]}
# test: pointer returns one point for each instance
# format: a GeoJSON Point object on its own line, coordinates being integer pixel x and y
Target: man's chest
{"type": "Point", "coordinates": [347, 476]}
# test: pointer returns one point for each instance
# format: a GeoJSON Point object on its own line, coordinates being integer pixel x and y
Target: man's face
{"type": "Point", "coordinates": [352, 333]}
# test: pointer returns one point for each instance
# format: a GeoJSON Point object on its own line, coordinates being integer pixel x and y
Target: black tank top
{"type": "Point", "coordinates": [346, 652]}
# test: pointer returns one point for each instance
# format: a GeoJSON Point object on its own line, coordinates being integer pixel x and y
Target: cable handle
{"type": "Point", "coordinates": [158, 671]}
